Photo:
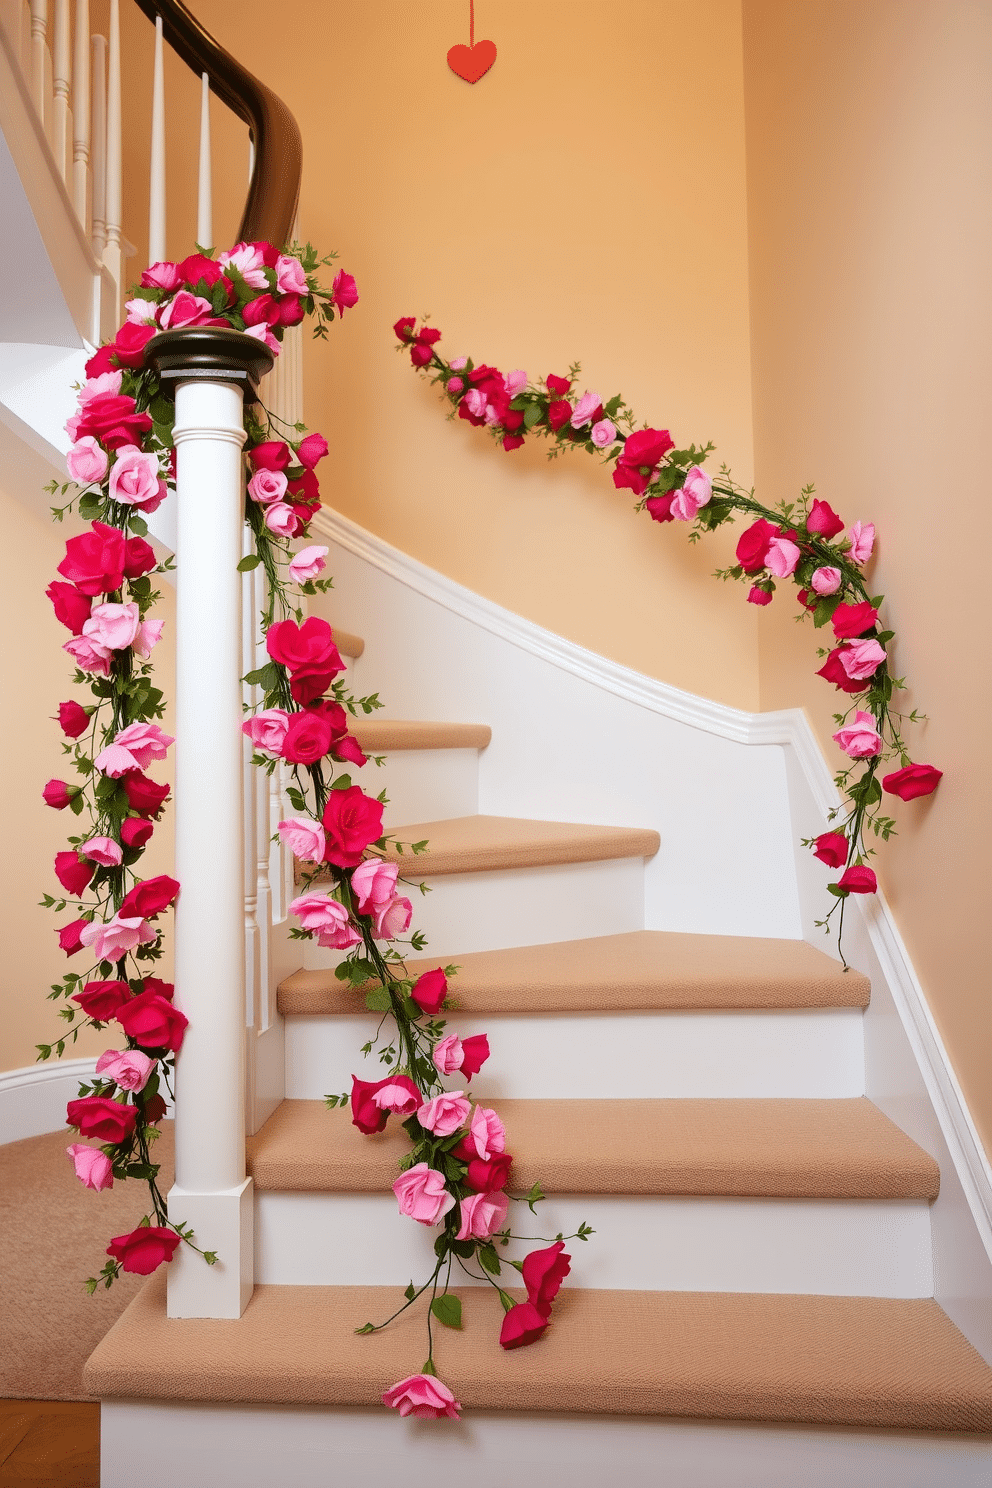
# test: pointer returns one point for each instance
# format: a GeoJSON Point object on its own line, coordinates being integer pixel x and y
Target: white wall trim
{"type": "Point", "coordinates": [33, 1100]}
{"type": "Point", "coordinates": [789, 728]}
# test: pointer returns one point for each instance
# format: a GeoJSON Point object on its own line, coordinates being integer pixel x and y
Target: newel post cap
{"type": "Point", "coordinates": [209, 354]}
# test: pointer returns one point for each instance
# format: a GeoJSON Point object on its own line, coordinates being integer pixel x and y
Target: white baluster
{"type": "Point", "coordinates": [156, 182]}
{"type": "Point", "coordinates": [98, 136]}
{"type": "Point", "coordinates": [60, 87]}
{"type": "Point", "coordinates": [81, 115]}
{"type": "Point", "coordinates": [251, 696]}
{"type": "Point", "coordinates": [204, 196]}
{"type": "Point", "coordinates": [39, 30]}
{"type": "Point", "coordinates": [113, 253]}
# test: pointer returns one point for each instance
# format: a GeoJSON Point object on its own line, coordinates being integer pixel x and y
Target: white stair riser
{"type": "Point", "coordinates": [423, 784]}
{"type": "Point", "coordinates": [831, 1247]}
{"type": "Point", "coordinates": [519, 906]}
{"type": "Point", "coordinates": [810, 1054]}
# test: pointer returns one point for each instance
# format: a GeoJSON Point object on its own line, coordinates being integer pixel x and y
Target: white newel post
{"type": "Point", "coordinates": [212, 371]}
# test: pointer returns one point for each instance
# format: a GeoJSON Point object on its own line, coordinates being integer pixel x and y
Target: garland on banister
{"type": "Point", "coordinates": [802, 540]}
{"type": "Point", "coordinates": [121, 467]}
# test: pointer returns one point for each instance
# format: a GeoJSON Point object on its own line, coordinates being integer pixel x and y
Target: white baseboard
{"type": "Point", "coordinates": [33, 1100]}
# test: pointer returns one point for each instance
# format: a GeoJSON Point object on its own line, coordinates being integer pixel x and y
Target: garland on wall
{"type": "Point", "coordinates": [804, 541]}
{"type": "Point", "coordinates": [121, 468]}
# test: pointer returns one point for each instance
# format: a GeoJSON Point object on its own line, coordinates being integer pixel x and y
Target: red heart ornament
{"type": "Point", "coordinates": [472, 63]}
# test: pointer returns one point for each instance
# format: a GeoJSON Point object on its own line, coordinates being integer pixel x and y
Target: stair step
{"type": "Point", "coordinates": [483, 844]}
{"type": "Point", "coordinates": [381, 735]}
{"type": "Point", "coordinates": [826, 1149]}
{"type": "Point", "coordinates": [640, 971]}
{"type": "Point", "coordinates": [351, 646]}
{"type": "Point", "coordinates": [859, 1361]}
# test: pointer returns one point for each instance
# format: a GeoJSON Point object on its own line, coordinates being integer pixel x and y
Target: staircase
{"type": "Point", "coordinates": [756, 1305]}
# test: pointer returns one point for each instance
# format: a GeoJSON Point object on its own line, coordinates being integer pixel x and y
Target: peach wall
{"type": "Point", "coordinates": [869, 139]}
{"type": "Point", "coordinates": [584, 200]}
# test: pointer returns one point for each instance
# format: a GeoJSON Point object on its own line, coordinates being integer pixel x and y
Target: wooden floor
{"type": "Point", "coordinates": [50, 1443]}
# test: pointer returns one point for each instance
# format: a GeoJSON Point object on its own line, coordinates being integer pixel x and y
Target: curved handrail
{"type": "Point", "coordinates": [274, 189]}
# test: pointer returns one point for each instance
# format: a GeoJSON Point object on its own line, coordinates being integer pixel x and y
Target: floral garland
{"type": "Point", "coordinates": [799, 540]}
{"type": "Point", "coordinates": [121, 466]}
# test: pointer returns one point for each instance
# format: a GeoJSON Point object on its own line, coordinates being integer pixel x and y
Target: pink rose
{"type": "Point", "coordinates": [589, 406]}
{"type": "Point", "coordinates": [603, 433]}
{"type": "Point", "coordinates": [135, 481]}
{"type": "Point", "coordinates": [826, 580]}
{"type": "Point", "coordinates": [445, 1113]}
{"type": "Point", "coordinates": [249, 261]}
{"type": "Point", "coordinates": [144, 742]}
{"type": "Point", "coordinates": [482, 1214]}
{"type": "Point", "coordinates": [267, 730]}
{"type": "Point", "coordinates": [185, 309]}
{"type": "Point", "coordinates": [782, 557]}
{"type": "Point", "coordinates": [112, 940]}
{"type": "Point", "coordinates": [422, 1395]}
{"type": "Point", "coordinates": [487, 1134]}
{"type": "Point", "coordinates": [262, 333]}
{"type": "Point", "coordinates": [447, 1055]}
{"type": "Point", "coordinates": [162, 276]}
{"type": "Point", "coordinates": [93, 1168]}
{"type": "Point", "coordinates": [860, 739]}
{"type": "Point", "coordinates": [373, 884]}
{"type": "Point", "coordinates": [475, 402]}
{"type": "Point", "coordinates": [398, 1095]}
{"type": "Point", "coordinates": [148, 636]}
{"type": "Point", "coordinates": [112, 626]}
{"type": "Point", "coordinates": [697, 488]}
{"type": "Point", "coordinates": [128, 1068]}
{"type": "Point", "coordinates": [290, 278]}
{"type": "Point", "coordinates": [392, 919]}
{"type": "Point", "coordinates": [106, 385]}
{"type": "Point", "coordinates": [319, 912]}
{"type": "Point", "coordinates": [141, 312]}
{"type": "Point", "coordinates": [102, 850]}
{"type": "Point", "coordinates": [282, 519]}
{"type": "Point", "coordinates": [861, 659]}
{"type": "Point", "coordinates": [89, 657]}
{"type": "Point", "coordinates": [86, 462]}
{"type": "Point", "coordinates": [458, 364]}
{"type": "Point", "coordinates": [267, 486]}
{"type": "Point", "coordinates": [304, 838]}
{"type": "Point", "coordinates": [516, 382]}
{"type": "Point", "coordinates": [752, 545]}
{"type": "Point", "coordinates": [862, 541]}
{"type": "Point", "coordinates": [307, 564]}
{"type": "Point", "coordinates": [454, 386]}
{"type": "Point", "coordinates": [421, 1194]}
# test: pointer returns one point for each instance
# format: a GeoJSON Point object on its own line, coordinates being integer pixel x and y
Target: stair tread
{"type": "Point", "coordinates": [381, 735]}
{"type": "Point", "coordinates": [347, 644]}
{"type": "Point", "coordinates": [855, 1361]}
{"type": "Point", "coordinates": [480, 844]}
{"type": "Point", "coordinates": [827, 1149]}
{"type": "Point", "coordinates": [643, 969]}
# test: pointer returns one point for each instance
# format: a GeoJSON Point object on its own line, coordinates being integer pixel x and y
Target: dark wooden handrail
{"type": "Point", "coordinates": [274, 189]}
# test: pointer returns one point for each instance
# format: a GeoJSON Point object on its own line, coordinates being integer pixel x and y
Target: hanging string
{"type": "Point", "coordinates": [471, 23]}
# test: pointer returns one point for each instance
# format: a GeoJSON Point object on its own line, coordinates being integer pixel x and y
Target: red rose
{"type": "Point", "coordinates": [144, 796]}
{"type": "Point", "coordinates": [912, 781]}
{"type": "Point", "coordinates": [758, 596]}
{"type": "Point", "coordinates": [752, 546]}
{"type": "Point", "coordinates": [831, 848]}
{"type": "Point", "coordinates": [348, 748]}
{"type": "Point", "coordinates": [559, 414]}
{"type": "Point", "coordinates": [308, 645]}
{"type": "Point", "coordinates": [311, 451]}
{"type": "Point", "coordinates": [309, 683]}
{"type": "Point", "coordinates": [101, 361]}
{"type": "Point", "coordinates": [512, 442]}
{"type": "Point", "coordinates": [69, 940]}
{"type": "Point", "coordinates": [272, 455]}
{"type": "Point", "coordinates": [72, 608]}
{"type": "Point", "coordinates": [365, 1114]}
{"type": "Point", "coordinates": [522, 1324]}
{"type": "Point", "coordinates": [149, 897]}
{"type": "Point", "coordinates": [98, 1117]}
{"type": "Point", "coordinates": [660, 507]}
{"type": "Point", "coordinates": [58, 794]}
{"type": "Point", "coordinates": [420, 354]}
{"type": "Point", "coordinates": [334, 714]}
{"type": "Point", "coordinates": [73, 719]}
{"type": "Point", "coordinates": [543, 1273]}
{"type": "Point", "coordinates": [198, 268]}
{"type": "Point", "coordinates": [152, 1022]}
{"type": "Point", "coordinates": [559, 386]}
{"type": "Point", "coordinates": [129, 349]}
{"type": "Point", "coordinates": [305, 488]}
{"type": "Point", "coordinates": [404, 327]}
{"type": "Point", "coordinates": [139, 558]}
{"type": "Point", "coordinates": [824, 522]}
{"type": "Point", "coordinates": [639, 458]}
{"type": "Point", "coordinates": [262, 308]}
{"type": "Point", "coordinates": [851, 621]}
{"type": "Point", "coordinates": [154, 1109]}
{"type": "Point", "coordinates": [344, 291]}
{"type": "Point", "coordinates": [487, 1176]}
{"type": "Point", "coordinates": [307, 739]}
{"type": "Point", "coordinates": [430, 990]}
{"type": "Point", "coordinates": [475, 1052]}
{"type": "Point", "coordinates": [807, 600]}
{"type": "Point", "coordinates": [156, 985]}
{"type": "Point", "coordinates": [135, 831]}
{"type": "Point", "coordinates": [94, 561]}
{"type": "Point", "coordinates": [832, 671]}
{"type": "Point", "coordinates": [73, 872]}
{"type": "Point", "coordinates": [144, 1250]}
{"type": "Point", "coordinates": [858, 879]}
{"type": "Point", "coordinates": [101, 1000]}
{"type": "Point", "coordinates": [291, 310]}
{"type": "Point", "coordinates": [351, 821]}
{"type": "Point", "coordinates": [113, 421]}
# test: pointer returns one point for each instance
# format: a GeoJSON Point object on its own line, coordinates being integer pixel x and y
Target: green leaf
{"type": "Point", "coordinates": [266, 677]}
{"type": "Point", "coordinates": [447, 1310]}
{"type": "Point", "coordinates": [247, 564]}
{"type": "Point", "coordinates": [489, 1260]}
{"type": "Point", "coordinates": [343, 782]}
{"type": "Point", "coordinates": [837, 891]}
{"type": "Point", "coordinates": [410, 1292]}
{"type": "Point", "coordinates": [377, 1000]}
{"type": "Point", "coordinates": [138, 525]}
{"type": "Point", "coordinates": [90, 506]}
{"type": "Point", "coordinates": [533, 414]}
{"type": "Point", "coordinates": [367, 1328]}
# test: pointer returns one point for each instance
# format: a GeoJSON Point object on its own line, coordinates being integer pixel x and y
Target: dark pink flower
{"type": "Point", "coordinates": [523, 1324]}
{"type": "Point", "coordinates": [144, 1250]}
{"type": "Point", "coordinates": [912, 781]}
{"type": "Point", "coordinates": [858, 879]}
{"type": "Point", "coordinates": [638, 460]}
{"type": "Point", "coordinates": [831, 848]}
{"type": "Point", "coordinates": [753, 545]}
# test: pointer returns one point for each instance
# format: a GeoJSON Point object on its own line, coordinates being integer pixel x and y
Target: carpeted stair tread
{"type": "Point", "coordinates": [853, 1361]}
{"type": "Point", "coordinates": [642, 970]}
{"type": "Point", "coordinates": [351, 646]}
{"type": "Point", "coordinates": [826, 1149]}
{"type": "Point", "coordinates": [383, 735]}
{"type": "Point", "coordinates": [484, 844]}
